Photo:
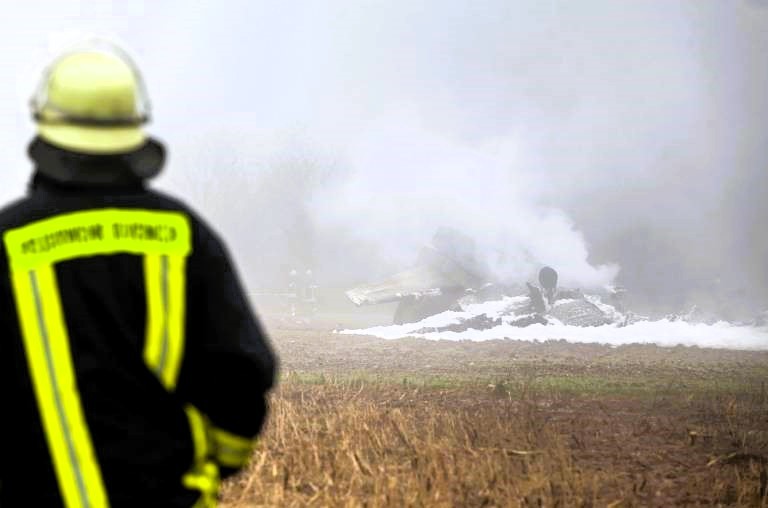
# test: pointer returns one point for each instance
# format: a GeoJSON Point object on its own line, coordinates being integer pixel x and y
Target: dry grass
{"type": "Point", "coordinates": [376, 445]}
{"type": "Point", "coordinates": [380, 446]}
{"type": "Point", "coordinates": [399, 440]}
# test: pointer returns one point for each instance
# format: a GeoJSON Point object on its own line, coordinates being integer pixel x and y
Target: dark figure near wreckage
{"type": "Point", "coordinates": [548, 282]}
{"type": "Point", "coordinates": [134, 372]}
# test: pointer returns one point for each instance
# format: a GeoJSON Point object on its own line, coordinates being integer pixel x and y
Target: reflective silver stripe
{"type": "Point", "coordinates": [57, 390]}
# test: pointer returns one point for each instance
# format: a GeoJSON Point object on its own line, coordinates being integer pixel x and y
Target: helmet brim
{"type": "Point", "coordinates": [93, 140]}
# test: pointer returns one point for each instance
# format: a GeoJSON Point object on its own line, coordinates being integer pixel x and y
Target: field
{"type": "Point", "coordinates": [358, 421]}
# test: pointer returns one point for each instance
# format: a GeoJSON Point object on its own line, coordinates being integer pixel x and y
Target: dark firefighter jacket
{"type": "Point", "coordinates": [133, 371]}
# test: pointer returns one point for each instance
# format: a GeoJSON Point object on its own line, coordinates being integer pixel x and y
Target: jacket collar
{"type": "Point", "coordinates": [67, 169]}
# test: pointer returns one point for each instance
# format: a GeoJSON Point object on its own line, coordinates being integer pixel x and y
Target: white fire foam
{"type": "Point", "coordinates": [664, 333]}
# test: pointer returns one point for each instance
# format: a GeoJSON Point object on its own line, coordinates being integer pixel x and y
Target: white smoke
{"type": "Point", "coordinates": [408, 181]}
{"type": "Point", "coordinates": [643, 121]}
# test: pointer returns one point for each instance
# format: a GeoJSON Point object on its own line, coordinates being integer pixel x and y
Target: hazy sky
{"type": "Point", "coordinates": [601, 137]}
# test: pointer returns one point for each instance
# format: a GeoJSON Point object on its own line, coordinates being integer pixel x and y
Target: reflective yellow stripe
{"type": "Point", "coordinates": [199, 429]}
{"type": "Point", "coordinates": [204, 476]}
{"type": "Point", "coordinates": [230, 449]}
{"type": "Point", "coordinates": [204, 479]}
{"type": "Point", "coordinates": [32, 252]}
{"type": "Point", "coordinates": [155, 326]}
{"type": "Point", "coordinates": [165, 285]}
{"type": "Point", "coordinates": [177, 298]}
{"type": "Point", "coordinates": [98, 232]}
{"type": "Point", "coordinates": [50, 363]}
{"type": "Point", "coordinates": [164, 279]}
{"type": "Point", "coordinates": [164, 240]}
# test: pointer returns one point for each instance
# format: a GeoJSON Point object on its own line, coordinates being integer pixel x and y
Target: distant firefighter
{"type": "Point", "coordinates": [302, 293]}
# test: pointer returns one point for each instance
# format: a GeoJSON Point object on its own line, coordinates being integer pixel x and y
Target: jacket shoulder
{"type": "Point", "coordinates": [18, 212]}
{"type": "Point", "coordinates": [205, 235]}
{"type": "Point", "coordinates": [164, 201]}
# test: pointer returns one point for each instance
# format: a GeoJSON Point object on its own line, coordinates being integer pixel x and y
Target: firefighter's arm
{"type": "Point", "coordinates": [228, 366]}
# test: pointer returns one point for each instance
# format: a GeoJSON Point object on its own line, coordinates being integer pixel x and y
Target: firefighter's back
{"type": "Point", "coordinates": [139, 428]}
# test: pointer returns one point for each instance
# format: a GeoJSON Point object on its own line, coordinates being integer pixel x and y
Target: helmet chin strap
{"type": "Point", "coordinates": [63, 118]}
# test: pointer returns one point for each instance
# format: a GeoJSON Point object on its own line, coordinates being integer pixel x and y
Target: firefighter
{"type": "Point", "coordinates": [134, 372]}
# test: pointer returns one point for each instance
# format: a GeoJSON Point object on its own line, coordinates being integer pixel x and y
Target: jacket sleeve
{"type": "Point", "coordinates": [228, 365]}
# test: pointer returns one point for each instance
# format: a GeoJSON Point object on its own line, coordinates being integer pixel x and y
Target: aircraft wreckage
{"type": "Point", "coordinates": [448, 277]}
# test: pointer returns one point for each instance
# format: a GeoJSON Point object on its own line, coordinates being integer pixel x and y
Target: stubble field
{"type": "Point", "coordinates": [358, 421]}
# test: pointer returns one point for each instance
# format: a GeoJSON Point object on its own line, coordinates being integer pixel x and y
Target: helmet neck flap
{"type": "Point", "coordinates": [78, 169]}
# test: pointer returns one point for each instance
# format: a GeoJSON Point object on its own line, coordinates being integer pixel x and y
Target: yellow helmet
{"type": "Point", "coordinates": [92, 100]}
